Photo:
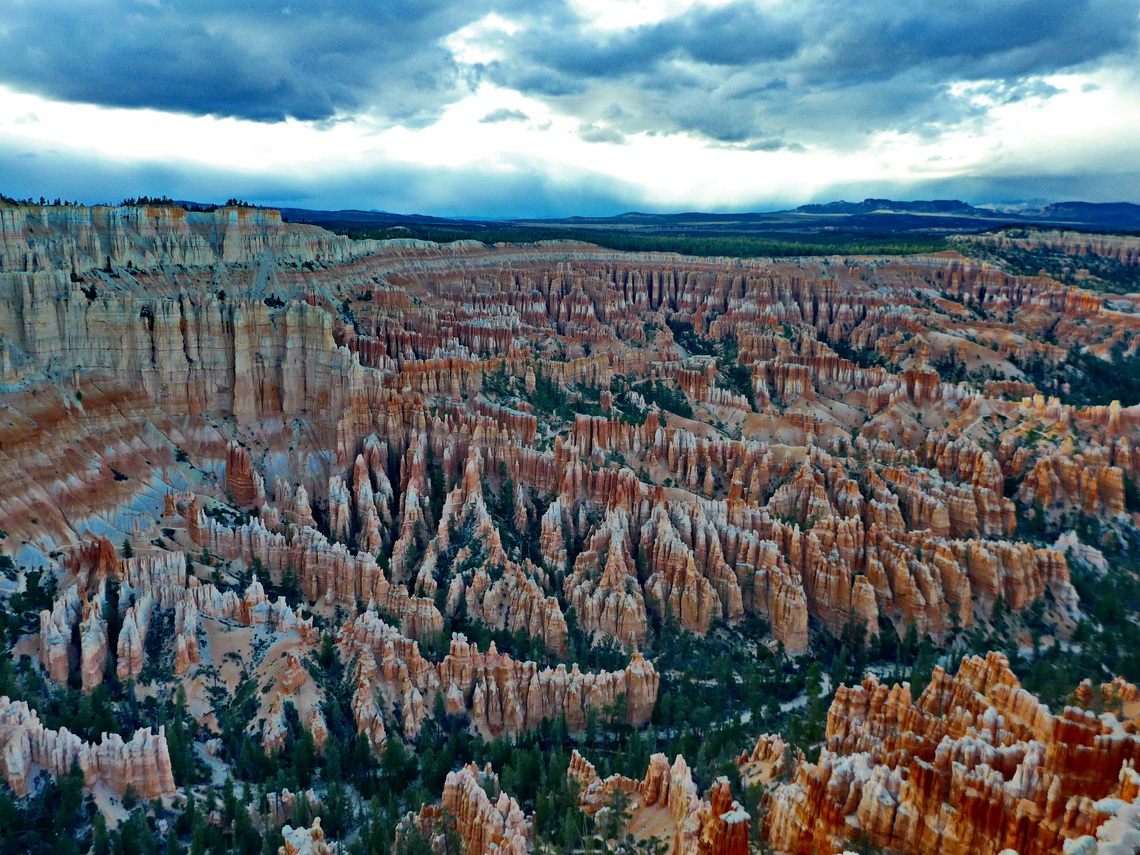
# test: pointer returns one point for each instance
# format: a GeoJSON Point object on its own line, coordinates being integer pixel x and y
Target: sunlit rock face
{"type": "Point", "coordinates": [484, 823]}
{"type": "Point", "coordinates": [238, 444]}
{"type": "Point", "coordinates": [712, 825]}
{"type": "Point", "coordinates": [975, 763]}
{"type": "Point", "coordinates": [143, 762]}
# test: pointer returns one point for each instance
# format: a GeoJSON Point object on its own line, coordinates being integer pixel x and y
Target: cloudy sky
{"type": "Point", "coordinates": [555, 107]}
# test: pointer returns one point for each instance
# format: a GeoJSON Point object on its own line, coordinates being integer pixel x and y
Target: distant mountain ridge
{"type": "Point", "coordinates": [872, 216]}
{"type": "Point", "coordinates": [871, 206]}
{"type": "Point", "coordinates": [1110, 214]}
{"type": "Point", "coordinates": [366, 218]}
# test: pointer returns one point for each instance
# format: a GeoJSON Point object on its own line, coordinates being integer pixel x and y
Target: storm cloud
{"type": "Point", "coordinates": [257, 59]}
{"type": "Point", "coordinates": [731, 72]}
{"type": "Point", "coordinates": [773, 78]}
{"type": "Point", "coordinates": [812, 69]}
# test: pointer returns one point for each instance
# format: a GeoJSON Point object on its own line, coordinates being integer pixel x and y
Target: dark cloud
{"type": "Point", "coordinates": [821, 70]}
{"type": "Point", "coordinates": [255, 59]}
{"type": "Point", "coordinates": [813, 70]}
{"type": "Point", "coordinates": [735, 35]}
{"type": "Point", "coordinates": [814, 74]}
{"type": "Point", "coordinates": [968, 39]}
{"type": "Point", "coordinates": [504, 115]}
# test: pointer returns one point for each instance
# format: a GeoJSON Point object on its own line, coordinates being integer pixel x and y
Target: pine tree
{"type": "Point", "coordinates": [100, 841]}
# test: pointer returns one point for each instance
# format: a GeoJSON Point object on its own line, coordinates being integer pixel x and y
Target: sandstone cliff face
{"type": "Point", "coordinates": [757, 526]}
{"type": "Point", "coordinates": [1121, 248]}
{"type": "Point", "coordinates": [143, 762]}
{"type": "Point", "coordinates": [78, 239]}
{"type": "Point", "coordinates": [962, 499]}
{"type": "Point", "coordinates": [974, 764]}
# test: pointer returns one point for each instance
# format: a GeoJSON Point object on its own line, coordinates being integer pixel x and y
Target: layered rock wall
{"type": "Point", "coordinates": [143, 762]}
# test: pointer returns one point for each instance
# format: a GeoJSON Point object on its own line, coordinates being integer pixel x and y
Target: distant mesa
{"type": "Point", "coordinates": [872, 206]}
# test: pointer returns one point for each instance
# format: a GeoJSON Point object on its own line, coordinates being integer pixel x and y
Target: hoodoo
{"type": "Point", "coordinates": [410, 535]}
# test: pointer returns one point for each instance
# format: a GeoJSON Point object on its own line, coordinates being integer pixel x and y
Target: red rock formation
{"type": "Point", "coordinates": [325, 570]}
{"type": "Point", "coordinates": [603, 588]}
{"type": "Point", "coordinates": [55, 634]}
{"type": "Point", "coordinates": [713, 825]}
{"type": "Point", "coordinates": [305, 841]}
{"type": "Point", "coordinates": [243, 482]}
{"type": "Point", "coordinates": [675, 586]}
{"type": "Point", "coordinates": [485, 824]}
{"type": "Point", "coordinates": [766, 761]}
{"type": "Point", "coordinates": [93, 561]}
{"type": "Point", "coordinates": [391, 391]}
{"type": "Point", "coordinates": [1122, 248]}
{"type": "Point", "coordinates": [130, 651]}
{"type": "Point", "coordinates": [142, 763]}
{"type": "Point", "coordinates": [976, 762]}
{"type": "Point", "coordinates": [274, 729]}
{"type": "Point", "coordinates": [1086, 481]}
{"type": "Point", "coordinates": [497, 692]}
{"type": "Point", "coordinates": [294, 675]}
{"type": "Point", "coordinates": [92, 644]}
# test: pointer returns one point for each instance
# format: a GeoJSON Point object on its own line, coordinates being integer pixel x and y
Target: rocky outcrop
{"type": "Point", "coordinates": [466, 558]}
{"type": "Point", "coordinates": [498, 693]}
{"type": "Point", "coordinates": [243, 482]}
{"type": "Point", "coordinates": [1122, 248]}
{"type": "Point", "coordinates": [36, 238]}
{"type": "Point", "coordinates": [143, 762]}
{"type": "Point", "coordinates": [675, 587]}
{"type": "Point", "coordinates": [274, 728]}
{"type": "Point", "coordinates": [1087, 481]}
{"type": "Point", "coordinates": [420, 436]}
{"type": "Point", "coordinates": [603, 587]}
{"type": "Point", "coordinates": [766, 761]}
{"type": "Point", "coordinates": [93, 651]}
{"type": "Point", "coordinates": [714, 825]}
{"type": "Point", "coordinates": [306, 841]}
{"type": "Point", "coordinates": [485, 823]}
{"type": "Point", "coordinates": [92, 561]}
{"type": "Point", "coordinates": [975, 763]}
{"type": "Point", "coordinates": [153, 583]}
{"type": "Point", "coordinates": [325, 570]}
{"type": "Point", "coordinates": [130, 651]}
